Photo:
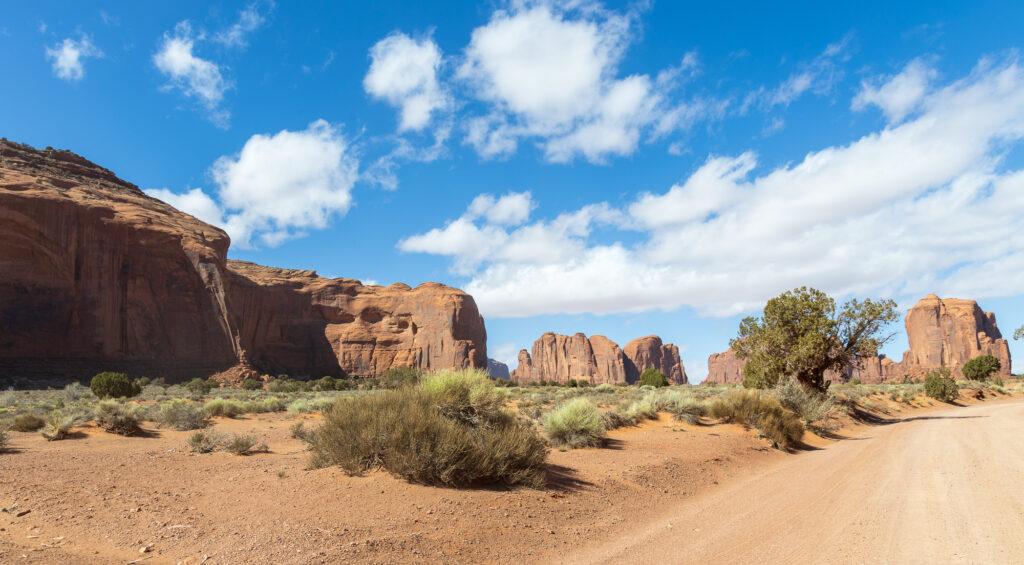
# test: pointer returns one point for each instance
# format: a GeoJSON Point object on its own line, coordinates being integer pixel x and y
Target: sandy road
{"type": "Point", "coordinates": [943, 487]}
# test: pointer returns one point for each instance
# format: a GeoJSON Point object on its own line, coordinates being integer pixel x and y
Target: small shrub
{"type": "Point", "coordinates": [252, 384]}
{"type": "Point", "coordinates": [298, 431]}
{"type": "Point", "coordinates": [114, 385]}
{"type": "Point", "coordinates": [980, 368]}
{"type": "Point", "coordinates": [398, 377]}
{"type": "Point", "coordinates": [73, 392]}
{"type": "Point", "coordinates": [205, 441]}
{"type": "Point", "coordinates": [811, 405]}
{"type": "Point", "coordinates": [300, 406]}
{"type": "Point", "coordinates": [939, 385]}
{"type": "Point", "coordinates": [245, 444]}
{"type": "Point", "coordinates": [997, 381]}
{"type": "Point", "coordinates": [117, 418]}
{"type": "Point", "coordinates": [604, 387]}
{"type": "Point", "coordinates": [684, 407]}
{"type": "Point", "coordinates": [223, 407]}
{"type": "Point", "coordinates": [754, 408]}
{"type": "Point", "coordinates": [5, 439]}
{"type": "Point", "coordinates": [653, 377]}
{"type": "Point", "coordinates": [283, 385]}
{"type": "Point", "coordinates": [181, 415]}
{"type": "Point", "coordinates": [27, 423]}
{"type": "Point", "coordinates": [577, 423]}
{"type": "Point", "coordinates": [448, 431]}
{"type": "Point", "coordinates": [58, 426]}
{"type": "Point", "coordinates": [199, 387]}
{"type": "Point", "coordinates": [326, 383]}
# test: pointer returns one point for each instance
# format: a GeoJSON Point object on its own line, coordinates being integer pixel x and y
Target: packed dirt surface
{"type": "Point", "coordinates": [941, 487]}
{"type": "Point", "coordinates": [936, 487]}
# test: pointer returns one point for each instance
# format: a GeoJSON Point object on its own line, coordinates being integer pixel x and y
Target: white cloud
{"type": "Point", "coordinates": [511, 209]}
{"type": "Point", "coordinates": [819, 76]}
{"type": "Point", "coordinates": [194, 202]}
{"type": "Point", "coordinates": [249, 20]}
{"type": "Point", "coordinates": [403, 72]}
{"type": "Point", "coordinates": [549, 72]}
{"type": "Point", "coordinates": [195, 77]}
{"type": "Point", "coordinates": [279, 185]}
{"type": "Point", "coordinates": [67, 57]}
{"type": "Point", "coordinates": [914, 208]}
{"type": "Point", "coordinates": [898, 95]}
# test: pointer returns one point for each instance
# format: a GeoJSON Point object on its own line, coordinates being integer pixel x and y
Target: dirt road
{"type": "Point", "coordinates": [944, 487]}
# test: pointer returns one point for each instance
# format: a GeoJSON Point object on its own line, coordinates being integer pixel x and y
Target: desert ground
{"type": "Point", "coordinates": [901, 482]}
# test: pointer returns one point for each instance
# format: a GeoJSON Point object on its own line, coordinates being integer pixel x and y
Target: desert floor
{"type": "Point", "coordinates": [933, 484]}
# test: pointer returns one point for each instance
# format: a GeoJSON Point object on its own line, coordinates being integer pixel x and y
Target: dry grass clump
{"type": "Point", "coordinates": [205, 441]}
{"type": "Point", "coordinates": [298, 431]}
{"type": "Point", "coordinates": [762, 412]}
{"type": "Point", "coordinates": [117, 418]}
{"type": "Point", "coordinates": [223, 407]}
{"type": "Point", "coordinates": [27, 423]}
{"type": "Point", "coordinates": [5, 439]}
{"type": "Point", "coordinates": [245, 444]}
{"type": "Point", "coordinates": [181, 415]}
{"type": "Point", "coordinates": [813, 407]}
{"type": "Point", "coordinates": [58, 425]}
{"type": "Point", "coordinates": [684, 407]}
{"type": "Point", "coordinates": [451, 429]}
{"type": "Point", "coordinates": [577, 423]}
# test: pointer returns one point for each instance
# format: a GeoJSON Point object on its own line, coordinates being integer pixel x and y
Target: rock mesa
{"type": "Point", "coordinates": [597, 360]}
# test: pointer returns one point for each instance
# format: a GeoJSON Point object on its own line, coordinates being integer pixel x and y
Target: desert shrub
{"type": "Point", "coordinates": [653, 377]}
{"type": "Point", "coordinates": [245, 444]}
{"type": "Point", "coordinates": [181, 415]}
{"type": "Point", "coordinates": [283, 385]}
{"type": "Point", "coordinates": [615, 419]}
{"type": "Point", "coordinates": [8, 399]}
{"type": "Point", "coordinates": [761, 411]}
{"type": "Point", "coordinates": [205, 441]}
{"type": "Point", "coordinates": [684, 407]}
{"type": "Point", "coordinates": [980, 368]}
{"type": "Point", "coordinates": [251, 384]}
{"type": "Point", "coordinates": [321, 404]}
{"type": "Point", "coordinates": [811, 405]}
{"type": "Point", "coordinates": [272, 404]}
{"type": "Point", "coordinates": [223, 407]}
{"type": "Point", "coordinates": [398, 377]}
{"type": "Point", "coordinates": [117, 418]}
{"type": "Point", "coordinates": [299, 406]}
{"type": "Point", "coordinates": [444, 432]}
{"type": "Point", "coordinates": [298, 431]}
{"type": "Point", "coordinates": [604, 387]}
{"type": "Point", "coordinates": [997, 381]}
{"type": "Point", "coordinates": [27, 423]}
{"type": "Point", "coordinates": [58, 425]}
{"type": "Point", "coordinates": [939, 385]}
{"type": "Point", "coordinates": [201, 387]}
{"type": "Point", "coordinates": [328, 383]}
{"type": "Point", "coordinates": [73, 392]}
{"type": "Point", "coordinates": [5, 439]}
{"type": "Point", "coordinates": [114, 385]}
{"type": "Point", "coordinates": [577, 423]}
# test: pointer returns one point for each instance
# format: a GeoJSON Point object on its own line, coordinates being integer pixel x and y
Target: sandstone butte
{"type": "Point", "coordinates": [942, 333]}
{"type": "Point", "coordinates": [597, 360]}
{"type": "Point", "coordinates": [96, 275]}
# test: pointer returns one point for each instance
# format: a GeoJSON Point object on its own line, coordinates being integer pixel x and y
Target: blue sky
{"type": "Point", "coordinates": [612, 168]}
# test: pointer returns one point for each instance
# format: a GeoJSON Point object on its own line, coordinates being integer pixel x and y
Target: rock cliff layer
{"type": "Point", "coordinates": [559, 358]}
{"type": "Point", "coordinates": [96, 275]}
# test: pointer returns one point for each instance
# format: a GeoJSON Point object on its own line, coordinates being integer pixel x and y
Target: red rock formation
{"type": "Point", "coordinates": [497, 370]}
{"type": "Point", "coordinates": [942, 333]}
{"type": "Point", "coordinates": [96, 275]}
{"type": "Point", "coordinates": [558, 358]}
{"type": "Point", "coordinates": [648, 352]}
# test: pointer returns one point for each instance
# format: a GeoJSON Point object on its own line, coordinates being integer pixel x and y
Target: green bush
{"type": "Point", "coordinates": [205, 441]}
{"type": "Point", "coordinates": [398, 377]}
{"type": "Point", "coordinates": [117, 418]}
{"type": "Point", "coordinates": [73, 392]}
{"type": "Point", "coordinates": [114, 385]}
{"type": "Point", "coordinates": [653, 377]}
{"type": "Point", "coordinates": [761, 411]}
{"type": "Point", "coordinates": [326, 383]}
{"type": "Point", "coordinates": [223, 407]}
{"type": "Point", "coordinates": [447, 431]}
{"type": "Point", "coordinates": [684, 407]}
{"type": "Point", "coordinates": [981, 368]}
{"type": "Point", "coordinates": [811, 405]}
{"type": "Point", "coordinates": [181, 415]}
{"type": "Point", "coordinates": [577, 423]}
{"type": "Point", "coordinates": [604, 387]}
{"type": "Point", "coordinates": [251, 384]}
{"type": "Point", "coordinates": [201, 387]}
{"type": "Point", "coordinates": [299, 406]}
{"type": "Point", "coordinates": [27, 423]}
{"type": "Point", "coordinates": [283, 385]}
{"type": "Point", "coordinates": [939, 385]}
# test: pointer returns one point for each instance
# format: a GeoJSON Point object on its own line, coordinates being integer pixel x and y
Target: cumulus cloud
{"type": "Point", "coordinates": [277, 187]}
{"type": "Point", "coordinates": [549, 72]}
{"type": "Point", "coordinates": [195, 77]}
{"type": "Point", "coordinates": [67, 57]}
{"type": "Point", "coordinates": [249, 20]}
{"type": "Point", "coordinates": [511, 209]}
{"type": "Point", "coordinates": [899, 95]}
{"type": "Point", "coordinates": [403, 72]}
{"type": "Point", "coordinates": [922, 206]}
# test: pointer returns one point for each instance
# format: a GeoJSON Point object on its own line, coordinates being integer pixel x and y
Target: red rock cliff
{"type": "Point", "coordinates": [558, 358]}
{"type": "Point", "coordinates": [96, 275]}
{"type": "Point", "coordinates": [649, 353]}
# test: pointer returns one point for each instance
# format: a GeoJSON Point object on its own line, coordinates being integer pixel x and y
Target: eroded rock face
{"type": "Point", "coordinates": [648, 352]}
{"type": "Point", "coordinates": [497, 370]}
{"type": "Point", "coordinates": [96, 275]}
{"type": "Point", "coordinates": [597, 360]}
{"type": "Point", "coordinates": [942, 332]}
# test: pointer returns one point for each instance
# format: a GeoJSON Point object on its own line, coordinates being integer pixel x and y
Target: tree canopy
{"type": "Point", "coordinates": [981, 368]}
{"type": "Point", "coordinates": [801, 335]}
